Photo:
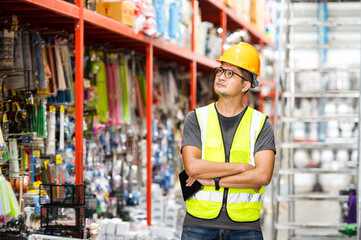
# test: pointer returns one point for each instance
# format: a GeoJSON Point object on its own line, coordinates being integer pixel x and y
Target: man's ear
{"type": "Point", "coordinates": [246, 86]}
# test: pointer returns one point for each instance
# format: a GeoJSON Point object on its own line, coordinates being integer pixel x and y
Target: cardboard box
{"type": "Point", "coordinates": [258, 14]}
{"type": "Point", "coordinates": [232, 4]}
{"type": "Point", "coordinates": [172, 215]}
{"type": "Point", "coordinates": [121, 11]}
{"type": "Point", "coordinates": [245, 10]}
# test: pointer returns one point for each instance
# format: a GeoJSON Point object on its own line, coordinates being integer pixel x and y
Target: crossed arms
{"type": "Point", "coordinates": [233, 175]}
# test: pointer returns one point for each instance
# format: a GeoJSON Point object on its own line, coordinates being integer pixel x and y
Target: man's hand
{"type": "Point", "coordinates": [190, 181]}
{"type": "Point", "coordinates": [204, 182]}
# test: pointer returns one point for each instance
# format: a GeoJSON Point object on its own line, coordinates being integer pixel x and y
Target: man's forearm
{"type": "Point", "coordinates": [260, 176]}
{"type": "Point", "coordinates": [198, 168]}
{"type": "Point", "coordinates": [249, 179]}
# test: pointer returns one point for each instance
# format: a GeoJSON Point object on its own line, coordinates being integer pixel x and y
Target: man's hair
{"type": "Point", "coordinates": [247, 75]}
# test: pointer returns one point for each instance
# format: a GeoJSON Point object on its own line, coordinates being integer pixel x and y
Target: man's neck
{"type": "Point", "coordinates": [228, 107]}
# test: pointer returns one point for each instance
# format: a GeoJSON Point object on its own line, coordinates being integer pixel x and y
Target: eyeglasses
{"type": "Point", "coordinates": [228, 73]}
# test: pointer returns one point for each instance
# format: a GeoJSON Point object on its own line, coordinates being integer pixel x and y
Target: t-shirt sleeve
{"type": "Point", "coordinates": [191, 131]}
{"type": "Point", "coordinates": [266, 139]}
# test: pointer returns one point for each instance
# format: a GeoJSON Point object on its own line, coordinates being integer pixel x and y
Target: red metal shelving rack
{"type": "Point", "coordinates": [223, 16]}
{"type": "Point", "coordinates": [90, 27]}
{"type": "Point", "coordinates": [79, 93]}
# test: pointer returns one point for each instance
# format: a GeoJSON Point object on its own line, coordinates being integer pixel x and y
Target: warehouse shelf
{"type": "Point", "coordinates": [292, 171]}
{"type": "Point", "coordinates": [234, 22]}
{"type": "Point", "coordinates": [98, 28]}
{"type": "Point", "coordinates": [323, 46]}
{"type": "Point", "coordinates": [205, 62]}
{"type": "Point", "coordinates": [166, 50]}
{"type": "Point", "coordinates": [322, 69]}
{"type": "Point", "coordinates": [325, 118]}
{"type": "Point", "coordinates": [34, 13]}
{"type": "Point", "coordinates": [90, 28]}
{"type": "Point", "coordinates": [310, 225]}
{"type": "Point", "coordinates": [343, 143]}
{"type": "Point", "coordinates": [104, 25]}
{"type": "Point", "coordinates": [327, 23]}
{"type": "Point", "coordinates": [329, 94]}
{"type": "Point", "coordinates": [321, 237]}
{"type": "Point", "coordinates": [313, 1]}
{"type": "Point", "coordinates": [57, 6]}
{"type": "Point", "coordinates": [316, 28]}
{"type": "Point", "coordinates": [287, 198]}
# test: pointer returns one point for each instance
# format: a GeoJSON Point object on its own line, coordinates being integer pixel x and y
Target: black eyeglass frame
{"type": "Point", "coordinates": [224, 70]}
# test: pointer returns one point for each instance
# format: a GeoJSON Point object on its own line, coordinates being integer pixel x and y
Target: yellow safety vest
{"type": "Point", "coordinates": [243, 205]}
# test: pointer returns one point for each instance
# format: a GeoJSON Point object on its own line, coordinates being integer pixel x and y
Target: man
{"type": "Point", "coordinates": [229, 148]}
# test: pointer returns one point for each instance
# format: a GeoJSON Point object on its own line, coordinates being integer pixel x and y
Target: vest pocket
{"type": "Point", "coordinates": [244, 212]}
{"type": "Point", "coordinates": [213, 143]}
{"type": "Point", "coordinates": [253, 205]}
{"type": "Point", "coordinates": [239, 155]}
{"type": "Point", "coordinates": [212, 150]}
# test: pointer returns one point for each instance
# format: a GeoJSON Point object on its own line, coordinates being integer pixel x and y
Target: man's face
{"type": "Point", "coordinates": [233, 86]}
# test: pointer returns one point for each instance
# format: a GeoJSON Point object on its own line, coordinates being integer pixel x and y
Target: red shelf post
{"type": "Point", "coordinates": [193, 40]}
{"type": "Point", "coordinates": [193, 64]}
{"type": "Point", "coordinates": [224, 27]}
{"type": "Point", "coordinates": [193, 85]}
{"type": "Point", "coordinates": [79, 95]}
{"type": "Point", "coordinates": [149, 76]}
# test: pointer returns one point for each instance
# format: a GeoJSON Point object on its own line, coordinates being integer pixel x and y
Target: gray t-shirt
{"type": "Point", "coordinates": [192, 136]}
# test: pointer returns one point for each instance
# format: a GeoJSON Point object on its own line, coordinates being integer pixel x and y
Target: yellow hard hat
{"type": "Point", "coordinates": [245, 56]}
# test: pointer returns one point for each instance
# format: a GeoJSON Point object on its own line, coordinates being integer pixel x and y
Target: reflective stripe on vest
{"type": "Point", "coordinates": [232, 198]}
{"type": "Point", "coordinates": [242, 204]}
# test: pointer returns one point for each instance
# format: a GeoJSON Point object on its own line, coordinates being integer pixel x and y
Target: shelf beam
{"type": "Point", "coordinates": [317, 171]}
{"type": "Point", "coordinates": [104, 23]}
{"type": "Point", "coordinates": [325, 118]}
{"type": "Point", "coordinates": [329, 94]}
{"type": "Point", "coordinates": [322, 70]}
{"type": "Point", "coordinates": [320, 237]}
{"type": "Point", "coordinates": [323, 46]}
{"type": "Point", "coordinates": [329, 22]}
{"type": "Point", "coordinates": [161, 45]}
{"type": "Point", "coordinates": [342, 143]}
{"type": "Point", "coordinates": [293, 225]}
{"type": "Point", "coordinates": [288, 198]}
{"type": "Point", "coordinates": [233, 18]}
{"type": "Point", "coordinates": [58, 6]}
{"type": "Point", "coordinates": [206, 62]}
